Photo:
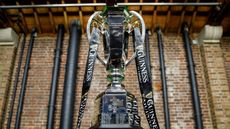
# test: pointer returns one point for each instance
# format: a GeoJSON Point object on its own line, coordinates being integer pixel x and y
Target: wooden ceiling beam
{"type": "Point", "coordinates": [37, 22]}
{"type": "Point", "coordinates": [167, 18]}
{"type": "Point", "coordinates": [65, 18]}
{"type": "Point", "coordinates": [218, 13]}
{"type": "Point", "coordinates": [154, 17]}
{"type": "Point", "coordinates": [81, 18]}
{"type": "Point", "coordinates": [196, 16]}
{"type": "Point", "coordinates": [51, 18]}
{"type": "Point", "coordinates": [23, 19]}
{"type": "Point", "coordinates": [7, 19]}
{"type": "Point", "coordinates": [182, 17]}
{"type": "Point", "coordinates": [193, 18]}
{"type": "Point", "coordinates": [140, 11]}
{"type": "Point", "coordinates": [2, 23]}
{"type": "Point", "coordinates": [3, 19]}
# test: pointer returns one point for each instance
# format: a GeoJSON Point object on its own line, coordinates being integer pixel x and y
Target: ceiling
{"type": "Point", "coordinates": [169, 18]}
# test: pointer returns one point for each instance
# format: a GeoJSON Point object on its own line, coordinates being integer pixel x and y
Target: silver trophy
{"type": "Point", "coordinates": [117, 108]}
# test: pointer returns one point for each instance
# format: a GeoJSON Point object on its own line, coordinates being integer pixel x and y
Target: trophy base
{"type": "Point", "coordinates": [113, 110]}
{"type": "Point", "coordinates": [115, 128]}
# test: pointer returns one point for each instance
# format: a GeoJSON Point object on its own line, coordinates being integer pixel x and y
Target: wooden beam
{"type": "Point", "coordinates": [81, 18]}
{"type": "Point", "coordinates": [218, 13]}
{"type": "Point", "coordinates": [6, 22]}
{"type": "Point", "coordinates": [2, 20]}
{"type": "Point", "coordinates": [23, 19]}
{"type": "Point", "coordinates": [168, 18]}
{"type": "Point", "coordinates": [37, 22]}
{"type": "Point", "coordinates": [51, 18]}
{"type": "Point", "coordinates": [2, 23]}
{"type": "Point", "coordinates": [140, 11]}
{"type": "Point", "coordinates": [65, 18]}
{"type": "Point", "coordinates": [154, 21]}
{"type": "Point", "coordinates": [193, 18]}
{"type": "Point", "coordinates": [10, 23]}
{"type": "Point", "coordinates": [181, 18]}
{"type": "Point", "coordinates": [95, 1]}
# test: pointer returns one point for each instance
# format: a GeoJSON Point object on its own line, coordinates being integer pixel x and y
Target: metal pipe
{"type": "Point", "coordinates": [51, 5]}
{"type": "Point", "coordinates": [104, 4]}
{"type": "Point", "coordinates": [163, 78]}
{"type": "Point", "coordinates": [192, 77]}
{"type": "Point", "coordinates": [70, 77]}
{"type": "Point", "coordinates": [171, 4]}
{"type": "Point", "coordinates": [24, 80]}
{"type": "Point", "coordinates": [55, 75]}
{"type": "Point", "coordinates": [16, 82]}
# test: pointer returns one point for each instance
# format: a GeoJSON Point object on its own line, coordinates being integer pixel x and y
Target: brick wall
{"type": "Point", "coordinates": [6, 68]}
{"type": "Point", "coordinates": [225, 45]}
{"type": "Point", "coordinates": [179, 90]}
{"type": "Point", "coordinates": [181, 110]}
{"type": "Point", "coordinates": [216, 84]}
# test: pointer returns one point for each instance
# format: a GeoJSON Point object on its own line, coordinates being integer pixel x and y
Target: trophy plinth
{"type": "Point", "coordinates": [117, 110]}
{"type": "Point", "coordinates": [116, 128]}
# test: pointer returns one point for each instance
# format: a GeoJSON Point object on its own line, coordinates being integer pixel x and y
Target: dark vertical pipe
{"type": "Point", "coordinates": [192, 77]}
{"type": "Point", "coordinates": [16, 82]}
{"type": "Point", "coordinates": [55, 75]}
{"type": "Point", "coordinates": [24, 80]}
{"type": "Point", "coordinates": [163, 78]}
{"type": "Point", "coordinates": [70, 77]}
